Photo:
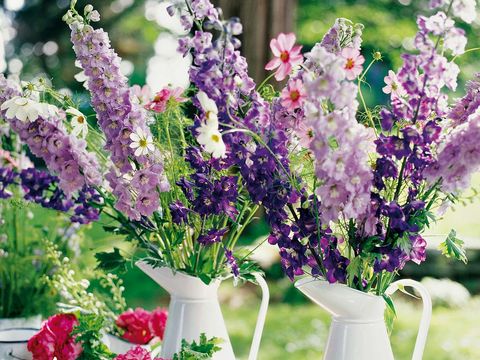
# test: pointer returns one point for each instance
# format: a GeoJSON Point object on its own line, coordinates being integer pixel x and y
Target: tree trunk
{"type": "Point", "coordinates": [262, 20]}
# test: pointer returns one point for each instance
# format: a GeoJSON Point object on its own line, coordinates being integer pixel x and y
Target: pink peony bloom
{"type": "Point", "coordinates": [54, 339]}
{"type": "Point", "coordinates": [136, 326]}
{"type": "Point", "coordinates": [163, 97]}
{"type": "Point", "coordinates": [42, 345]}
{"type": "Point", "coordinates": [393, 86]}
{"type": "Point", "coordinates": [353, 62]}
{"type": "Point", "coordinates": [293, 95]}
{"type": "Point", "coordinates": [137, 353]}
{"type": "Point", "coordinates": [287, 55]}
{"type": "Point", "coordinates": [158, 321]}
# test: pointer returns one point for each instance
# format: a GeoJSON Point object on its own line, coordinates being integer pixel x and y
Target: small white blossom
{"type": "Point", "coordinates": [211, 139]}
{"type": "Point", "coordinates": [22, 109]}
{"type": "Point", "coordinates": [79, 122]}
{"type": "Point", "coordinates": [210, 108]}
{"type": "Point", "coordinates": [141, 142]}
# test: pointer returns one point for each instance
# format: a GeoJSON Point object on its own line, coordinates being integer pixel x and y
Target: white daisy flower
{"type": "Point", "coordinates": [210, 108]}
{"type": "Point", "coordinates": [142, 142]}
{"type": "Point", "coordinates": [22, 108]}
{"type": "Point", "coordinates": [78, 122]}
{"type": "Point", "coordinates": [212, 140]}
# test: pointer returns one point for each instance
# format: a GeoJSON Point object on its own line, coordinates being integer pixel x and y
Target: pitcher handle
{"type": "Point", "coordinates": [262, 315]}
{"type": "Point", "coordinates": [426, 313]}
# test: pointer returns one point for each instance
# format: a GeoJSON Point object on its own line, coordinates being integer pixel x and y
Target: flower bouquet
{"type": "Point", "coordinates": [370, 180]}
{"type": "Point", "coordinates": [178, 175]}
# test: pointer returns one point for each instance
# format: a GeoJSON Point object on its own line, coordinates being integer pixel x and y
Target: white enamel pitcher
{"type": "Point", "coordinates": [13, 343]}
{"type": "Point", "coordinates": [358, 329]}
{"type": "Point", "coordinates": [194, 309]}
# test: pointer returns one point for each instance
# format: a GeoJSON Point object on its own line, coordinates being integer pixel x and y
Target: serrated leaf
{"type": "Point", "coordinates": [109, 261]}
{"type": "Point", "coordinates": [452, 247]}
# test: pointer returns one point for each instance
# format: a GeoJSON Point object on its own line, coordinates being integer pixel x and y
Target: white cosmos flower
{"type": "Point", "coordinates": [22, 108]}
{"type": "Point", "coordinates": [211, 139]}
{"type": "Point", "coordinates": [142, 142]}
{"type": "Point", "coordinates": [210, 109]}
{"type": "Point", "coordinates": [79, 122]}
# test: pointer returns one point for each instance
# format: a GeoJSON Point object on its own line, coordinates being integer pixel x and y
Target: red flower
{"type": "Point", "coordinates": [136, 326]}
{"type": "Point", "coordinates": [54, 339]}
{"type": "Point", "coordinates": [42, 345]}
{"type": "Point", "coordinates": [158, 322]}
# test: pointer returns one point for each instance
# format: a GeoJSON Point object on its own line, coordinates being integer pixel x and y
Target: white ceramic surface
{"type": "Point", "coordinates": [32, 322]}
{"type": "Point", "coordinates": [194, 309]}
{"type": "Point", "coordinates": [13, 343]}
{"type": "Point", "coordinates": [358, 328]}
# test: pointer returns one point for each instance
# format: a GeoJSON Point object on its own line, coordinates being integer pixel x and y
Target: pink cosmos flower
{"type": "Point", "coordinates": [54, 339]}
{"type": "Point", "coordinates": [287, 55]}
{"type": "Point", "coordinates": [393, 86]}
{"type": "Point", "coordinates": [293, 94]}
{"type": "Point", "coordinates": [353, 62]}
{"type": "Point", "coordinates": [141, 94]}
{"type": "Point", "coordinates": [163, 97]}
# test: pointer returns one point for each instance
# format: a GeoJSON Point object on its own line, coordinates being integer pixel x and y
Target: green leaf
{"type": "Point", "coordinates": [452, 247]}
{"type": "Point", "coordinates": [109, 261]}
{"type": "Point", "coordinates": [390, 313]}
{"type": "Point", "coordinates": [204, 350]}
{"type": "Point", "coordinates": [355, 266]}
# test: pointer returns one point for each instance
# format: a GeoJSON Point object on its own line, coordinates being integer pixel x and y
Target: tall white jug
{"type": "Point", "coordinates": [358, 329]}
{"type": "Point", "coordinates": [194, 309]}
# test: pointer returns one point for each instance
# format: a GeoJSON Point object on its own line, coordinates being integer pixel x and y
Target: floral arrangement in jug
{"type": "Point", "coordinates": [170, 182]}
{"type": "Point", "coordinates": [347, 190]}
{"type": "Point", "coordinates": [370, 180]}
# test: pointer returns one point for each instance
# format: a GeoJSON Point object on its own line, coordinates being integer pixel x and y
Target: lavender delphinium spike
{"type": "Point", "coordinates": [119, 117]}
{"type": "Point", "coordinates": [48, 139]}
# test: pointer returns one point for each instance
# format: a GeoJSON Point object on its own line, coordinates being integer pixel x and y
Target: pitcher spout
{"type": "Point", "coordinates": [342, 301]}
{"type": "Point", "coordinates": [178, 284]}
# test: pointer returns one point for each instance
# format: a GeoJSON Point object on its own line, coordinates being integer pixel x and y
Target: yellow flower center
{"type": "Point", "coordinates": [215, 138]}
{"type": "Point", "coordinates": [294, 95]}
{"type": "Point", "coordinates": [350, 64]}
{"type": "Point", "coordinates": [284, 56]}
{"type": "Point", "coordinates": [80, 119]}
{"type": "Point", "coordinates": [143, 143]}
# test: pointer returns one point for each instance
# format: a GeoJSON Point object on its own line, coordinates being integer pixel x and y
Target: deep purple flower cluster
{"type": "Point", "coordinates": [207, 195]}
{"type": "Point", "coordinates": [232, 262]}
{"type": "Point", "coordinates": [119, 117]}
{"type": "Point", "coordinates": [211, 237]}
{"type": "Point", "coordinates": [48, 139]}
{"type": "Point", "coordinates": [44, 189]}
{"type": "Point", "coordinates": [221, 72]}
